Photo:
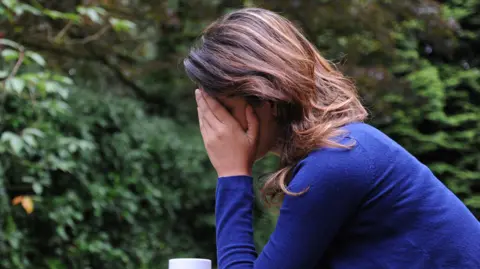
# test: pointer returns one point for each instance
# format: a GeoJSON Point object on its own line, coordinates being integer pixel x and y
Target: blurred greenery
{"type": "Point", "coordinates": [101, 161]}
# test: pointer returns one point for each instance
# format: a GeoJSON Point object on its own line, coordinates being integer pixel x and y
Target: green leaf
{"type": "Point", "coordinates": [37, 188]}
{"type": "Point", "coordinates": [59, 15]}
{"type": "Point", "coordinates": [10, 3]}
{"type": "Point", "coordinates": [31, 9]}
{"type": "Point", "coordinates": [53, 14]}
{"type": "Point", "coordinates": [3, 74]}
{"type": "Point", "coordinates": [122, 25]}
{"type": "Point", "coordinates": [55, 106]}
{"type": "Point", "coordinates": [33, 131]}
{"type": "Point", "coordinates": [6, 136]}
{"type": "Point", "coordinates": [15, 84]}
{"type": "Point", "coordinates": [16, 143]}
{"type": "Point", "coordinates": [55, 264]}
{"type": "Point", "coordinates": [55, 87]}
{"type": "Point", "coordinates": [73, 17]}
{"type": "Point", "coordinates": [61, 232]}
{"type": "Point", "coordinates": [28, 179]}
{"type": "Point", "coordinates": [63, 92]}
{"type": "Point", "coordinates": [93, 13]}
{"type": "Point", "coordinates": [72, 147]}
{"type": "Point", "coordinates": [30, 140]}
{"type": "Point", "coordinates": [9, 54]}
{"type": "Point", "coordinates": [10, 43]}
{"type": "Point", "coordinates": [100, 10]}
{"type": "Point", "coordinates": [36, 57]}
{"type": "Point", "coordinates": [473, 201]}
{"type": "Point", "coordinates": [18, 10]}
{"type": "Point", "coordinates": [51, 87]}
{"type": "Point", "coordinates": [94, 16]}
{"type": "Point", "coordinates": [63, 79]}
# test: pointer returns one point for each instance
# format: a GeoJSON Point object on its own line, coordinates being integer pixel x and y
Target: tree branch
{"type": "Point", "coordinates": [78, 52]}
{"type": "Point", "coordinates": [95, 36]}
{"type": "Point", "coordinates": [63, 31]}
{"type": "Point", "coordinates": [139, 92]}
{"type": "Point", "coordinates": [19, 62]}
{"type": "Point", "coordinates": [95, 53]}
{"type": "Point", "coordinates": [21, 57]}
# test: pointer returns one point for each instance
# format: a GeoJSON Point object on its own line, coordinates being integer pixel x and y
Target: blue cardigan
{"type": "Point", "coordinates": [374, 206]}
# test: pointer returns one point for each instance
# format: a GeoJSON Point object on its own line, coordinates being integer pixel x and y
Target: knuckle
{"type": "Point", "coordinates": [222, 132]}
{"type": "Point", "coordinates": [219, 135]}
{"type": "Point", "coordinates": [208, 143]}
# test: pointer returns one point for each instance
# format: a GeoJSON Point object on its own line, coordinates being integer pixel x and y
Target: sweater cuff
{"type": "Point", "coordinates": [235, 182]}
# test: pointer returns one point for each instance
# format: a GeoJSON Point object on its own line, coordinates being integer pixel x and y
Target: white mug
{"type": "Point", "coordinates": [189, 263]}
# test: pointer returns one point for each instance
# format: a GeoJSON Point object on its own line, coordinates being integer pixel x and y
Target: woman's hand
{"type": "Point", "coordinates": [230, 148]}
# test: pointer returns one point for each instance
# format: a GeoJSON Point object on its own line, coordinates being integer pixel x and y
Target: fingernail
{"type": "Point", "coordinates": [197, 93]}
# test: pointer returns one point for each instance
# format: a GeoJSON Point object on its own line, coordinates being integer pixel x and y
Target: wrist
{"type": "Point", "coordinates": [235, 183]}
{"type": "Point", "coordinates": [231, 173]}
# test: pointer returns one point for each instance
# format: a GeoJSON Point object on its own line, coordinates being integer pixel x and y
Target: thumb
{"type": "Point", "coordinates": [252, 124]}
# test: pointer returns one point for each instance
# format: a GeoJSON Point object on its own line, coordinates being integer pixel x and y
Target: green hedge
{"type": "Point", "coordinates": [111, 186]}
{"type": "Point", "coordinates": [111, 189]}
{"type": "Point", "coordinates": [90, 179]}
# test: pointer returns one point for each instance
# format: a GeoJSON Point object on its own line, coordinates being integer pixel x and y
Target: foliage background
{"type": "Point", "coordinates": [101, 162]}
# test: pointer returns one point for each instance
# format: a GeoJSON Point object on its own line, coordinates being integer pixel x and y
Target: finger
{"type": "Point", "coordinates": [215, 109]}
{"type": "Point", "coordinates": [204, 125]}
{"type": "Point", "coordinates": [201, 117]}
{"type": "Point", "coordinates": [252, 124]}
{"type": "Point", "coordinates": [200, 120]}
{"type": "Point", "coordinates": [207, 116]}
{"type": "Point", "coordinates": [205, 130]}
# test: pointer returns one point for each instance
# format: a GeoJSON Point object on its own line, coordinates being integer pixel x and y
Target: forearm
{"type": "Point", "coordinates": [233, 211]}
{"type": "Point", "coordinates": [307, 223]}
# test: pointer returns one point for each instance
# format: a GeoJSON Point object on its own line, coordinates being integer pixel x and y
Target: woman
{"type": "Point", "coordinates": [352, 197]}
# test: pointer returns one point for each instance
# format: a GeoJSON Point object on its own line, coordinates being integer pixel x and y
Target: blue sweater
{"type": "Point", "coordinates": [374, 206]}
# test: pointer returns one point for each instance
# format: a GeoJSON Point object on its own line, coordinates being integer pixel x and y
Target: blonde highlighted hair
{"type": "Point", "coordinates": [260, 55]}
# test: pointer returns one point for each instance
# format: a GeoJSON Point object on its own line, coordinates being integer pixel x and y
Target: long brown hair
{"type": "Point", "coordinates": [259, 54]}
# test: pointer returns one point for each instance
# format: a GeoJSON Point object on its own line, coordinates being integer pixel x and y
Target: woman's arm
{"type": "Point", "coordinates": [338, 181]}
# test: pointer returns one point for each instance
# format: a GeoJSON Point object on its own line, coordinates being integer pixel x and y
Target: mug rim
{"type": "Point", "coordinates": [190, 259]}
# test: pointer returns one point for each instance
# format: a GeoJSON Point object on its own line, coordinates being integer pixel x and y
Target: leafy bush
{"type": "Point", "coordinates": [103, 173]}
{"type": "Point", "coordinates": [106, 183]}
{"type": "Point", "coordinates": [437, 118]}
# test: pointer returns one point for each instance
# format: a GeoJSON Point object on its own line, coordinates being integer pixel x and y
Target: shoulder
{"type": "Point", "coordinates": [357, 167]}
{"type": "Point", "coordinates": [369, 137]}
{"type": "Point", "coordinates": [344, 167]}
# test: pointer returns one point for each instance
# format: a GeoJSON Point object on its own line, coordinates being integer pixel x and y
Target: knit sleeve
{"type": "Point", "coordinates": [337, 181]}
